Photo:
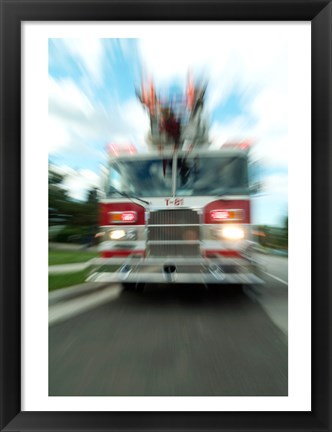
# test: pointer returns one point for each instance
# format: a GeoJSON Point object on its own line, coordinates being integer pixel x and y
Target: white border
{"type": "Point", "coordinates": [35, 216]}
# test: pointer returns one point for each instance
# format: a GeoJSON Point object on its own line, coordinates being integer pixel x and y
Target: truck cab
{"type": "Point", "coordinates": [177, 216]}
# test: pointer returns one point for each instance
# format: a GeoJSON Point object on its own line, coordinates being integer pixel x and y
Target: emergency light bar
{"type": "Point", "coordinates": [242, 145]}
{"type": "Point", "coordinates": [115, 149]}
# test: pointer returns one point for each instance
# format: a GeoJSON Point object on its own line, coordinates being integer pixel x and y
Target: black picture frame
{"type": "Point", "coordinates": [13, 13]}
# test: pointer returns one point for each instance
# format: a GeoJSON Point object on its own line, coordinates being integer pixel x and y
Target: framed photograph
{"type": "Point", "coordinates": [82, 84]}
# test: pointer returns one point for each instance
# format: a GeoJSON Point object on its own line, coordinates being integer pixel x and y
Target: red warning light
{"type": "Point", "coordinates": [117, 149]}
{"type": "Point", "coordinates": [220, 215]}
{"type": "Point", "coordinates": [123, 217]}
{"type": "Point", "coordinates": [223, 215]}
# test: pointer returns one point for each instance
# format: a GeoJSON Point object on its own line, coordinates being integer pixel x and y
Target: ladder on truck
{"type": "Point", "coordinates": [178, 121]}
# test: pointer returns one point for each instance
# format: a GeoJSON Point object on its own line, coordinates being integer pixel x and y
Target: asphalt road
{"type": "Point", "coordinates": [176, 341]}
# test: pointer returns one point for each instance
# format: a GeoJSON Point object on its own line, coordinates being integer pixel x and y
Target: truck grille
{"type": "Point", "coordinates": [173, 233]}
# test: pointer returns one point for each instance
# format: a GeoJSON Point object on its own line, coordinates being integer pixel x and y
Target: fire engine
{"type": "Point", "coordinates": [180, 212]}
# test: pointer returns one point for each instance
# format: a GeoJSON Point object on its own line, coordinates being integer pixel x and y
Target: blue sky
{"type": "Point", "coordinates": [92, 101]}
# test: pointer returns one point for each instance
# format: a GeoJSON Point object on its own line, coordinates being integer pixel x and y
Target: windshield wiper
{"type": "Point", "coordinates": [129, 196]}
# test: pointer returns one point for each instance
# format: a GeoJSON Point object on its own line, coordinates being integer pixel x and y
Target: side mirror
{"type": "Point", "coordinates": [255, 188]}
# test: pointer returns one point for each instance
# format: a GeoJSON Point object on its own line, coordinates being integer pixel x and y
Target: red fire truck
{"type": "Point", "coordinates": [178, 213]}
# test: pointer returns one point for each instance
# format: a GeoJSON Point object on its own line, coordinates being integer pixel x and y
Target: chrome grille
{"type": "Point", "coordinates": [171, 217]}
{"type": "Point", "coordinates": [173, 233]}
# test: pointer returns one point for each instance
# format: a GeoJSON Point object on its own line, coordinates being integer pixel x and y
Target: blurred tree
{"type": "Point", "coordinates": [92, 196]}
{"type": "Point", "coordinates": [82, 216]}
{"type": "Point", "coordinates": [286, 232]}
{"type": "Point", "coordinates": [92, 207]}
{"type": "Point", "coordinates": [57, 197]}
{"type": "Point", "coordinates": [286, 225]}
{"type": "Point", "coordinates": [54, 178]}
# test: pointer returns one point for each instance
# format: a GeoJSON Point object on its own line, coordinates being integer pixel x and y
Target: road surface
{"type": "Point", "coordinates": [175, 341]}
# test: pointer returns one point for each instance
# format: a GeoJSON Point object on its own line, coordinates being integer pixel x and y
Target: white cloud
{"type": "Point", "coordinates": [77, 125]}
{"type": "Point", "coordinates": [276, 184]}
{"type": "Point", "coordinates": [58, 136]}
{"type": "Point", "coordinates": [135, 121]}
{"type": "Point", "coordinates": [68, 101]}
{"type": "Point", "coordinates": [78, 182]}
{"type": "Point", "coordinates": [272, 151]}
{"type": "Point", "coordinates": [269, 108]}
{"type": "Point", "coordinates": [266, 125]}
{"type": "Point", "coordinates": [235, 54]}
{"type": "Point", "coordinates": [251, 60]}
{"type": "Point", "coordinates": [232, 131]}
{"type": "Point", "coordinates": [89, 54]}
{"type": "Point", "coordinates": [70, 113]}
{"type": "Point", "coordinates": [245, 57]}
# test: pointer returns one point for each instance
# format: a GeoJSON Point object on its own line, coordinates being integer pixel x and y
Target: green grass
{"type": "Point", "coordinates": [58, 281]}
{"type": "Point", "coordinates": [64, 280]}
{"type": "Point", "coordinates": [56, 257]}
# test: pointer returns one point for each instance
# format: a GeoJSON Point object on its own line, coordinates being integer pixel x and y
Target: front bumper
{"type": "Point", "coordinates": [181, 270]}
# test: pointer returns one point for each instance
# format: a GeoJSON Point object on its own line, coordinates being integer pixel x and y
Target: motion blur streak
{"type": "Point", "coordinates": [74, 307]}
{"type": "Point", "coordinates": [178, 340]}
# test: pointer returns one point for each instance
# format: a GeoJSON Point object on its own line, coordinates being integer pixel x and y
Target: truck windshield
{"type": "Point", "coordinates": [144, 178]}
{"type": "Point", "coordinates": [207, 175]}
{"type": "Point", "coordinates": [196, 176]}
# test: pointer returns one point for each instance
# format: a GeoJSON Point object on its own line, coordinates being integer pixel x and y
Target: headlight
{"type": "Point", "coordinates": [123, 234]}
{"type": "Point", "coordinates": [117, 234]}
{"type": "Point", "coordinates": [232, 232]}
